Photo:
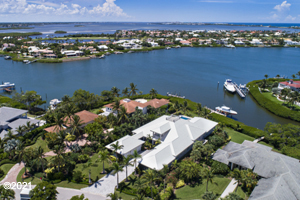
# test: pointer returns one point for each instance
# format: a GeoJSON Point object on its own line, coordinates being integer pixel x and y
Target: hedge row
{"type": "Point", "coordinates": [248, 130]}
{"type": "Point", "coordinates": [271, 106]}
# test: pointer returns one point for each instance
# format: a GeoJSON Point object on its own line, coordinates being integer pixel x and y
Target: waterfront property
{"type": "Point", "coordinates": [12, 118]}
{"type": "Point", "coordinates": [176, 134]}
{"type": "Point", "coordinates": [291, 84]}
{"type": "Point", "coordinates": [141, 104]}
{"type": "Point", "coordinates": [279, 173]}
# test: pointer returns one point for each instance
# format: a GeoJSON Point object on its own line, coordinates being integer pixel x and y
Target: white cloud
{"type": "Point", "coordinates": [283, 6]}
{"type": "Point", "coordinates": [290, 18]}
{"type": "Point", "coordinates": [41, 7]}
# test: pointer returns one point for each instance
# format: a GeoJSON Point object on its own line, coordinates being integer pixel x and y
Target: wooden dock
{"type": "Point", "coordinates": [213, 111]}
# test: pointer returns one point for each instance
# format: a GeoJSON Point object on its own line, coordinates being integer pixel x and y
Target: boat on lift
{"type": "Point", "coordinates": [226, 110]}
{"type": "Point", "coordinates": [229, 86]}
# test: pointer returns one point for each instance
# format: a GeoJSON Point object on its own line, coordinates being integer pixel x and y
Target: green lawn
{"type": "Point", "coordinates": [270, 97]}
{"type": "Point", "coordinates": [237, 136]}
{"type": "Point", "coordinates": [5, 168]}
{"type": "Point", "coordinates": [196, 192]}
{"type": "Point", "coordinates": [33, 180]}
{"type": "Point", "coordinates": [67, 184]}
{"type": "Point", "coordinates": [42, 143]}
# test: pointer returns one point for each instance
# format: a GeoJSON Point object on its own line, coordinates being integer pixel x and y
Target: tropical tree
{"type": "Point", "coordinates": [298, 74]}
{"type": "Point", "coordinates": [208, 176]}
{"type": "Point", "coordinates": [20, 130]}
{"type": "Point", "coordinates": [116, 146]}
{"type": "Point", "coordinates": [135, 157]}
{"type": "Point", "coordinates": [277, 76]}
{"type": "Point", "coordinates": [198, 109]}
{"type": "Point", "coordinates": [103, 157]}
{"type": "Point", "coordinates": [40, 157]}
{"type": "Point", "coordinates": [125, 92]}
{"type": "Point", "coordinates": [9, 135]}
{"type": "Point", "coordinates": [6, 194]}
{"type": "Point", "coordinates": [176, 106]}
{"type": "Point", "coordinates": [233, 196]}
{"type": "Point", "coordinates": [115, 91]}
{"type": "Point", "coordinates": [153, 93]}
{"type": "Point", "coordinates": [88, 165]}
{"type": "Point", "coordinates": [69, 109]}
{"type": "Point", "coordinates": [184, 107]}
{"type": "Point", "coordinates": [209, 196]}
{"type": "Point", "coordinates": [285, 92]}
{"type": "Point", "coordinates": [122, 115]}
{"type": "Point", "coordinates": [76, 125]}
{"type": "Point", "coordinates": [113, 196]}
{"type": "Point", "coordinates": [22, 154]}
{"type": "Point", "coordinates": [126, 163]}
{"type": "Point", "coordinates": [236, 174]}
{"type": "Point", "coordinates": [77, 197]}
{"type": "Point", "coordinates": [116, 105]}
{"type": "Point", "coordinates": [150, 176]}
{"type": "Point", "coordinates": [133, 89]}
{"type": "Point", "coordinates": [293, 76]}
{"type": "Point", "coordinates": [117, 168]}
{"type": "Point", "coordinates": [58, 121]}
{"type": "Point", "coordinates": [266, 76]}
{"type": "Point", "coordinates": [44, 190]}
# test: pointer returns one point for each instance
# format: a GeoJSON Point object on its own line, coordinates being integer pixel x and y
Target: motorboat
{"type": "Point", "coordinates": [168, 48]}
{"type": "Point", "coordinates": [130, 52]}
{"type": "Point", "coordinates": [107, 53]}
{"type": "Point", "coordinates": [229, 86]}
{"type": "Point", "coordinates": [229, 46]}
{"type": "Point", "coordinates": [25, 61]}
{"type": "Point", "coordinates": [226, 110]}
{"type": "Point", "coordinates": [53, 103]}
{"type": "Point", "coordinates": [7, 84]}
{"type": "Point", "coordinates": [102, 56]}
{"type": "Point", "coordinates": [7, 57]}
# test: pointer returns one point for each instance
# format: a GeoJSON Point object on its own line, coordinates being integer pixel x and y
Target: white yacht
{"type": "Point", "coordinates": [168, 48]}
{"type": "Point", "coordinates": [7, 84]}
{"type": "Point", "coordinates": [226, 110]}
{"type": "Point", "coordinates": [230, 46]}
{"type": "Point", "coordinates": [229, 86]}
{"type": "Point", "coordinates": [53, 103]}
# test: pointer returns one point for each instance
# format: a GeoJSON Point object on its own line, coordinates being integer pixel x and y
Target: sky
{"type": "Point", "coordinates": [269, 11]}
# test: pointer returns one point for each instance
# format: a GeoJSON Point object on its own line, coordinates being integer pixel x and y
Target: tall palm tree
{"type": "Point", "coordinates": [153, 93]}
{"type": "Point", "coordinates": [122, 115]}
{"type": "Point", "coordinates": [117, 168]}
{"type": "Point", "coordinates": [237, 175]}
{"type": "Point", "coordinates": [116, 105]}
{"type": "Point", "coordinates": [115, 91]}
{"type": "Point", "coordinates": [125, 92]}
{"type": "Point", "coordinates": [150, 176]}
{"type": "Point", "coordinates": [293, 76]}
{"type": "Point", "coordinates": [76, 125]}
{"type": "Point", "coordinates": [126, 163]}
{"type": "Point", "coordinates": [9, 135]}
{"type": "Point", "coordinates": [40, 157]}
{"type": "Point", "coordinates": [88, 165]}
{"type": "Point", "coordinates": [208, 176]}
{"type": "Point", "coordinates": [20, 130]}
{"type": "Point", "coordinates": [266, 76]}
{"type": "Point", "coordinates": [104, 157]}
{"type": "Point", "coordinates": [116, 147]}
{"type": "Point", "coordinates": [176, 106]}
{"type": "Point", "coordinates": [22, 154]}
{"type": "Point", "coordinates": [298, 74]}
{"type": "Point", "coordinates": [135, 157]}
{"type": "Point", "coordinates": [133, 89]}
{"type": "Point", "coordinates": [70, 110]}
{"type": "Point", "coordinates": [199, 108]}
{"type": "Point", "coordinates": [58, 121]}
{"type": "Point", "coordinates": [184, 107]}
{"type": "Point", "coordinates": [28, 126]}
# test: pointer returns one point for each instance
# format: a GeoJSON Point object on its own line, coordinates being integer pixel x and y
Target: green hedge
{"type": "Point", "coordinates": [50, 61]}
{"type": "Point", "coordinates": [271, 106]}
{"type": "Point", "coordinates": [248, 130]}
{"type": "Point", "coordinates": [7, 161]}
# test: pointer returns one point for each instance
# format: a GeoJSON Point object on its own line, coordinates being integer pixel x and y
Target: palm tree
{"type": "Point", "coordinates": [126, 163]}
{"type": "Point", "coordinates": [266, 76]}
{"type": "Point", "coordinates": [135, 157]}
{"type": "Point", "coordinates": [20, 130]}
{"type": "Point", "coordinates": [285, 92]}
{"type": "Point", "coordinates": [70, 110]}
{"type": "Point", "coordinates": [293, 76]}
{"type": "Point", "coordinates": [117, 168]}
{"type": "Point", "coordinates": [116, 147]}
{"type": "Point", "coordinates": [133, 90]}
{"type": "Point", "coordinates": [125, 92]}
{"type": "Point", "coordinates": [28, 126]}
{"type": "Point", "coordinates": [176, 106]}
{"type": "Point", "coordinates": [58, 121]}
{"type": "Point", "coordinates": [87, 165]}
{"type": "Point", "coordinates": [237, 175]}
{"type": "Point", "coordinates": [298, 74]}
{"type": "Point", "coordinates": [115, 91]}
{"type": "Point", "coordinates": [6, 194]}
{"type": "Point", "coordinates": [9, 135]}
{"type": "Point", "coordinates": [22, 154]}
{"type": "Point", "coordinates": [199, 108]}
{"type": "Point", "coordinates": [185, 107]}
{"type": "Point", "coordinates": [150, 177]}
{"type": "Point", "coordinates": [40, 157]}
{"type": "Point", "coordinates": [113, 196]}
{"type": "Point", "coordinates": [208, 176]}
{"type": "Point", "coordinates": [103, 156]}
{"type": "Point", "coordinates": [76, 125]}
{"type": "Point", "coordinates": [122, 115]}
{"type": "Point", "coordinates": [277, 76]}
{"type": "Point", "coordinates": [153, 93]}
{"type": "Point", "coordinates": [116, 105]}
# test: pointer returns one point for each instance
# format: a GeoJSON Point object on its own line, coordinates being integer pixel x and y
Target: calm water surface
{"type": "Point", "coordinates": [194, 72]}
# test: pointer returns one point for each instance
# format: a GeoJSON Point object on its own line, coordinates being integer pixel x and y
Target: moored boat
{"type": "Point", "coordinates": [229, 86]}
{"type": "Point", "coordinates": [7, 57]}
{"type": "Point", "coordinates": [7, 84]}
{"type": "Point", "coordinates": [226, 110]}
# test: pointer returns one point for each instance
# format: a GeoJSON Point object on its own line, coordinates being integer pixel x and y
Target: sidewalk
{"type": "Point", "coordinates": [229, 189]}
{"type": "Point", "coordinates": [13, 173]}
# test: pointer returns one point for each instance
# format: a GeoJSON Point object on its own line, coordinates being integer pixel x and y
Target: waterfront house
{"type": "Point", "coordinates": [291, 84]}
{"type": "Point", "coordinates": [103, 47]}
{"type": "Point", "coordinates": [176, 134]}
{"type": "Point", "coordinates": [72, 53]}
{"type": "Point", "coordinates": [185, 42]}
{"type": "Point", "coordinates": [238, 42]}
{"type": "Point", "coordinates": [12, 118]}
{"type": "Point", "coordinates": [141, 104]}
{"type": "Point", "coordinates": [256, 42]}
{"type": "Point", "coordinates": [50, 56]}
{"type": "Point", "coordinates": [279, 173]}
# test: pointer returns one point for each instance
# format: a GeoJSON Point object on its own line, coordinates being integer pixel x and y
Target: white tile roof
{"type": "Point", "coordinates": [129, 143]}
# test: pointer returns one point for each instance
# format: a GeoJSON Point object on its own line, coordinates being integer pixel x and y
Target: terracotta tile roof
{"type": "Point", "coordinates": [53, 129]}
{"type": "Point", "coordinates": [85, 117]}
{"type": "Point", "coordinates": [295, 84]}
{"type": "Point", "coordinates": [131, 105]}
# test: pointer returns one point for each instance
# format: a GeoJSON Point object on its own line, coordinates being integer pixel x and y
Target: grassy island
{"type": "Point", "coordinates": [58, 32]}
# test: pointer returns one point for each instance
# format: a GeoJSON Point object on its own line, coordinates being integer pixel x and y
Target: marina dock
{"type": "Point", "coordinates": [239, 91]}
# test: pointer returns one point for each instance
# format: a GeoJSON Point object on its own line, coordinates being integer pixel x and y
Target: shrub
{"type": "Point", "coordinates": [167, 194]}
{"type": "Point", "coordinates": [78, 176]}
{"type": "Point", "coordinates": [70, 137]}
{"type": "Point", "coordinates": [180, 184]}
{"type": "Point", "coordinates": [7, 161]}
{"type": "Point", "coordinates": [112, 158]}
{"type": "Point", "coordinates": [1, 173]}
{"type": "Point", "coordinates": [219, 168]}
{"type": "Point", "coordinates": [83, 158]}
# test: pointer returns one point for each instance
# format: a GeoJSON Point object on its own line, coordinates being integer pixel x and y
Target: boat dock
{"type": "Point", "coordinates": [175, 95]}
{"type": "Point", "coordinates": [213, 111]}
{"type": "Point", "coordinates": [239, 91]}
{"type": "Point", "coordinates": [8, 89]}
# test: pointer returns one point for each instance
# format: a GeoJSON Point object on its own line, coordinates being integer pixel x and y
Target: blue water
{"type": "Point", "coordinates": [192, 72]}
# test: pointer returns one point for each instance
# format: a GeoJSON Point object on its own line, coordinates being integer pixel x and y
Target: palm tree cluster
{"type": "Point", "coordinates": [246, 178]}
{"type": "Point", "coordinates": [290, 97]}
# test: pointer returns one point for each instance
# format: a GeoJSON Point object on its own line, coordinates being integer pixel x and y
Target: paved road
{"type": "Point", "coordinates": [230, 188]}
{"type": "Point", "coordinates": [107, 184]}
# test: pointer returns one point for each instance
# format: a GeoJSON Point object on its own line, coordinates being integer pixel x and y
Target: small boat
{"type": "Point", "coordinates": [7, 84]}
{"type": "Point", "coordinates": [28, 62]}
{"type": "Point", "coordinates": [118, 52]}
{"type": "Point", "coordinates": [130, 52]}
{"type": "Point", "coordinates": [246, 46]}
{"type": "Point", "coordinates": [53, 103]}
{"type": "Point", "coordinates": [168, 48]}
{"type": "Point", "coordinates": [226, 110]}
{"type": "Point", "coordinates": [102, 56]}
{"type": "Point", "coordinates": [178, 46]}
{"type": "Point", "coordinates": [107, 53]}
{"type": "Point", "coordinates": [229, 86]}
{"type": "Point", "coordinates": [229, 46]}
{"type": "Point", "coordinates": [7, 57]}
